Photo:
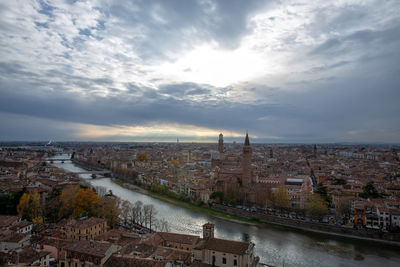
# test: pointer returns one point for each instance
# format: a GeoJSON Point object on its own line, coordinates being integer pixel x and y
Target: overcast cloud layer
{"type": "Point", "coordinates": [286, 71]}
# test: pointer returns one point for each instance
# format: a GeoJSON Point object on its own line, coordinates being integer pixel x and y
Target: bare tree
{"type": "Point", "coordinates": [146, 214]}
{"type": "Point", "coordinates": [343, 209]}
{"type": "Point", "coordinates": [150, 213]}
{"type": "Point", "coordinates": [110, 210]}
{"type": "Point", "coordinates": [137, 215]}
{"type": "Point", "coordinates": [126, 209]}
{"type": "Point", "coordinates": [156, 225]}
{"type": "Point", "coordinates": [163, 225]}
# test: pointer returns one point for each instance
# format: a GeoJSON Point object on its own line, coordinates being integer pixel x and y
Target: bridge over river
{"type": "Point", "coordinates": [94, 172]}
{"type": "Point", "coordinates": [60, 159]}
{"type": "Point", "coordinates": [275, 245]}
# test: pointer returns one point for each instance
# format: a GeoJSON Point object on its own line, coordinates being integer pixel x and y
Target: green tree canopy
{"type": "Point", "coordinates": [369, 191]}
{"type": "Point", "coordinates": [316, 206]}
{"type": "Point", "coordinates": [323, 192]}
{"type": "Point", "coordinates": [280, 197]}
{"type": "Point", "coordinates": [218, 195]}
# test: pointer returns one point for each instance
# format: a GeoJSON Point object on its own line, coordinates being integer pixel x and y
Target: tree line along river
{"type": "Point", "coordinates": [275, 245]}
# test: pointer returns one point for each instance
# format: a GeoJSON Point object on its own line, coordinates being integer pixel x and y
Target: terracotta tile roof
{"type": "Point", "coordinates": [55, 242]}
{"type": "Point", "coordinates": [14, 237]}
{"type": "Point", "coordinates": [82, 224]}
{"type": "Point", "coordinates": [89, 247]}
{"type": "Point", "coordinates": [179, 238]}
{"type": "Point", "coordinates": [113, 234]}
{"type": "Point", "coordinates": [227, 246]}
{"type": "Point", "coordinates": [395, 211]}
{"type": "Point", "coordinates": [20, 225]}
{"type": "Point", "coordinates": [27, 256]}
{"type": "Point", "coordinates": [6, 220]}
{"type": "Point", "coordinates": [144, 250]}
{"type": "Point", "coordinates": [130, 261]}
{"type": "Point", "coordinates": [172, 254]}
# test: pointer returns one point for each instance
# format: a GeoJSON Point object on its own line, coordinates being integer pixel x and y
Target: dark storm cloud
{"type": "Point", "coordinates": [22, 128]}
{"type": "Point", "coordinates": [359, 39]}
{"type": "Point", "coordinates": [185, 89]}
{"type": "Point", "coordinates": [153, 105]}
{"type": "Point", "coordinates": [329, 67]}
{"type": "Point", "coordinates": [13, 69]}
{"type": "Point", "coordinates": [95, 63]}
{"type": "Point", "coordinates": [175, 25]}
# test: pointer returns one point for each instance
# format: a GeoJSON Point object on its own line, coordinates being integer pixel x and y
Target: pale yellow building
{"type": "Point", "coordinates": [87, 253]}
{"type": "Point", "coordinates": [85, 229]}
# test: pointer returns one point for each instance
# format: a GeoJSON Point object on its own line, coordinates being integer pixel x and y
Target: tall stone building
{"type": "Point", "coordinates": [235, 176]}
{"type": "Point", "coordinates": [221, 146]}
{"type": "Point", "coordinates": [247, 174]}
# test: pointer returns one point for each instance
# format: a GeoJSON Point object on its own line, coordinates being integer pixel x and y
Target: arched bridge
{"type": "Point", "coordinates": [94, 172]}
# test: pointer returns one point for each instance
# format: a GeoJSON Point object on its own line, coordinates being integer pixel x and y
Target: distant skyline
{"type": "Point", "coordinates": [133, 71]}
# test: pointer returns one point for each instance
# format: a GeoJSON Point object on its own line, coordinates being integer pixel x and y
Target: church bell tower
{"type": "Point", "coordinates": [221, 146]}
{"type": "Point", "coordinates": [208, 231]}
{"type": "Point", "coordinates": [246, 162]}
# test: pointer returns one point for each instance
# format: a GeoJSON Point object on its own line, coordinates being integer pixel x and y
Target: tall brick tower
{"type": "Point", "coordinates": [221, 146]}
{"type": "Point", "coordinates": [208, 231]}
{"type": "Point", "coordinates": [246, 162]}
{"type": "Point", "coordinates": [315, 151]}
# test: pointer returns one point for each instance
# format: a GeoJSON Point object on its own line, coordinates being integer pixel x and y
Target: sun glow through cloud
{"type": "Point", "coordinates": [106, 67]}
{"type": "Point", "coordinates": [209, 64]}
{"type": "Point", "coordinates": [162, 132]}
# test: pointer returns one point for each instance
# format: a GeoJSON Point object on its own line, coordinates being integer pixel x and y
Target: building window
{"type": "Point", "coordinates": [234, 262]}
{"type": "Point", "coordinates": [213, 260]}
{"type": "Point", "coordinates": [224, 260]}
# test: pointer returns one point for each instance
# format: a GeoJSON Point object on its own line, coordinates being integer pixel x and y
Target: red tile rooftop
{"type": "Point", "coordinates": [179, 238]}
{"type": "Point", "coordinates": [6, 220]}
{"type": "Point", "coordinates": [85, 223]}
{"type": "Point", "coordinates": [94, 248]}
{"type": "Point", "coordinates": [226, 246]}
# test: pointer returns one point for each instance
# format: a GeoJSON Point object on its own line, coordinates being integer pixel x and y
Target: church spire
{"type": "Point", "coordinates": [221, 146]}
{"type": "Point", "coordinates": [246, 141]}
{"type": "Point", "coordinates": [247, 175]}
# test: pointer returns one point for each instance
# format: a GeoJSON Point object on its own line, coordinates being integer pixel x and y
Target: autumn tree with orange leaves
{"type": "Point", "coordinates": [110, 209]}
{"type": "Point", "coordinates": [66, 197]}
{"type": "Point", "coordinates": [74, 201]}
{"type": "Point", "coordinates": [29, 207]}
{"type": "Point", "coordinates": [85, 203]}
{"type": "Point", "coordinates": [175, 163]}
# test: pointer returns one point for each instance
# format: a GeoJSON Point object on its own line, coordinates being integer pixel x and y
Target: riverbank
{"type": "Point", "coordinates": [326, 229]}
{"type": "Point", "coordinates": [187, 205]}
{"type": "Point", "coordinates": [255, 219]}
{"type": "Point", "coordinates": [274, 244]}
{"type": "Point", "coordinates": [244, 217]}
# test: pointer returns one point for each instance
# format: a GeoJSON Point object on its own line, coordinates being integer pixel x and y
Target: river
{"type": "Point", "coordinates": [274, 245]}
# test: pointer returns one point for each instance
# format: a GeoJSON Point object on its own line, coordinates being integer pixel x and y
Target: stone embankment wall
{"type": "Point", "coordinates": [311, 226]}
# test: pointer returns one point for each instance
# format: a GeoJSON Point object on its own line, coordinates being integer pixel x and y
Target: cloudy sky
{"type": "Point", "coordinates": [285, 71]}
